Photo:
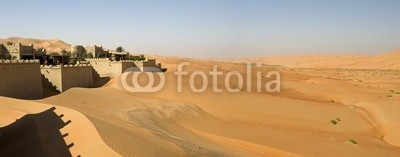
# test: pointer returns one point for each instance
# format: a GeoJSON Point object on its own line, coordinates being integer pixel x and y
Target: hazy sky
{"type": "Point", "coordinates": [211, 28]}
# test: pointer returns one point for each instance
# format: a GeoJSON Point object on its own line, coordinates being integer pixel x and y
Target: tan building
{"type": "Point", "coordinates": [17, 51]}
{"type": "Point", "coordinates": [115, 55]}
{"type": "Point", "coordinates": [2, 56]}
{"type": "Point", "coordinates": [85, 52]}
{"type": "Point", "coordinates": [4, 53]}
{"type": "Point", "coordinates": [78, 50]}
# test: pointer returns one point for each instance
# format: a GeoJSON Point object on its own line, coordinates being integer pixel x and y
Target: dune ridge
{"type": "Point", "coordinates": [36, 129]}
{"type": "Point", "coordinates": [294, 122]}
{"type": "Point", "coordinates": [388, 60]}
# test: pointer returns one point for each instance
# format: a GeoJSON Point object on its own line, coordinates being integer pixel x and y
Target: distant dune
{"type": "Point", "coordinates": [295, 122]}
{"type": "Point", "coordinates": [51, 45]}
{"type": "Point", "coordinates": [390, 60]}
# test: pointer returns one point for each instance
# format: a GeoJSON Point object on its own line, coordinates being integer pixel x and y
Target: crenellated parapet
{"type": "Point", "coordinates": [76, 65]}
{"type": "Point", "coordinates": [97, 59]}
{"type": "Point", "coordinates": [6, 61]}
{"type": "Point", "coordinates": [50, 66]}
{"type": "Point", "coordinates": [64, 66]}
{"type": "Point", "coordinates": [128, 61]}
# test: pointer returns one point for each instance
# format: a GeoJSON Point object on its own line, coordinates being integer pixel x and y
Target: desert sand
{"type": "Point", "coordinates": [389, 60]}
{"type": "Point", "coordinates": [35, 129]}
{"type": "Point", "coordinates": [364, 103]}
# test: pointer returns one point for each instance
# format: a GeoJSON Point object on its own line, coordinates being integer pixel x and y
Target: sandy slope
{"type": "Point", "coordinates": [139, 126]}
{"type": "Point", "coordinates": [35, 129]}
{"type": "Point", "coordinates": [294, 122]}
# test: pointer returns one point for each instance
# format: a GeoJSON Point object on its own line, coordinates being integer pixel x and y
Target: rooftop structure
{"type": "Point", "coordinates": [115, 55]}
{"type": "Point", "coordinates": [89, 51]}
{"type": "Point", "coordinates": [2, 56]}
{"type": "Point", "coordinates": [16, 51]}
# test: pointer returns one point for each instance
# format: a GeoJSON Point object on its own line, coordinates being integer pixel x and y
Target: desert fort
{"type": "Point", "coordinates": [27, 71]}
{"type": "Point", "coordinates": [199, 78]}
{"type": "Point", "coordinates": [58, 99]}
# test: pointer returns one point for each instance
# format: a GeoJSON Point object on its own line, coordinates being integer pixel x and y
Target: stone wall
{"type": "Point", "coordinates": [149, 65]}
{"type": "Point", "coordinates": [20, 79]}
{"type": "Point", "coordinates": [64, 77]}
{"type": "Point", "coordinates": [51, 77]}
{"type": "Point", "coordinates": [103, 67]}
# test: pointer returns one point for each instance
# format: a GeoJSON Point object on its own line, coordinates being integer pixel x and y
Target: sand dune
{"type": "Point", "coordinates": [35, 129]}
{"type": "Point", "coordinates": [349, 110]}
{"type": "Point", "coordinates": [294, 122]}
{"type": "Point", "coordinates": [388, 60]}
{"type": "Point", "coordinates": [135, 126]}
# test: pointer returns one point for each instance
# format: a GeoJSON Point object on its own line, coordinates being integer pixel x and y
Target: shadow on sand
{"type": "Point", "coordinates": [35, 135]}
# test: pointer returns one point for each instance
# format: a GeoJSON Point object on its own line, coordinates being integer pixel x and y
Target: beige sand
{"type": "Point", "coordinates": [35, 129]}
{"type": "Point", "coordinates": [390, 60]}
{"type": "Point", "coordinates": [294, 122]}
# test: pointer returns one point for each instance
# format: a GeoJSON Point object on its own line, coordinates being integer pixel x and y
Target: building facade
{"type": "Point", "coordinates": [115, 55]}
{"type": "Point", "coordinates": [64, 77]}
{"type": "Point", "coordinates": [17, 51]}
{"type": "Point", "coordinates": [84, 52]}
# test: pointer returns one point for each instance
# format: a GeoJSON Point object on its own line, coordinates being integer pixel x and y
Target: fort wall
{"type": "Point", "coordinates": [64, 77]}
{"type": "Point", "coordinates": [20, 79]}
{"type": "Point", "coordinates": [103, 67]}
{"type": "Point", "coordinates": [149, 65]}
